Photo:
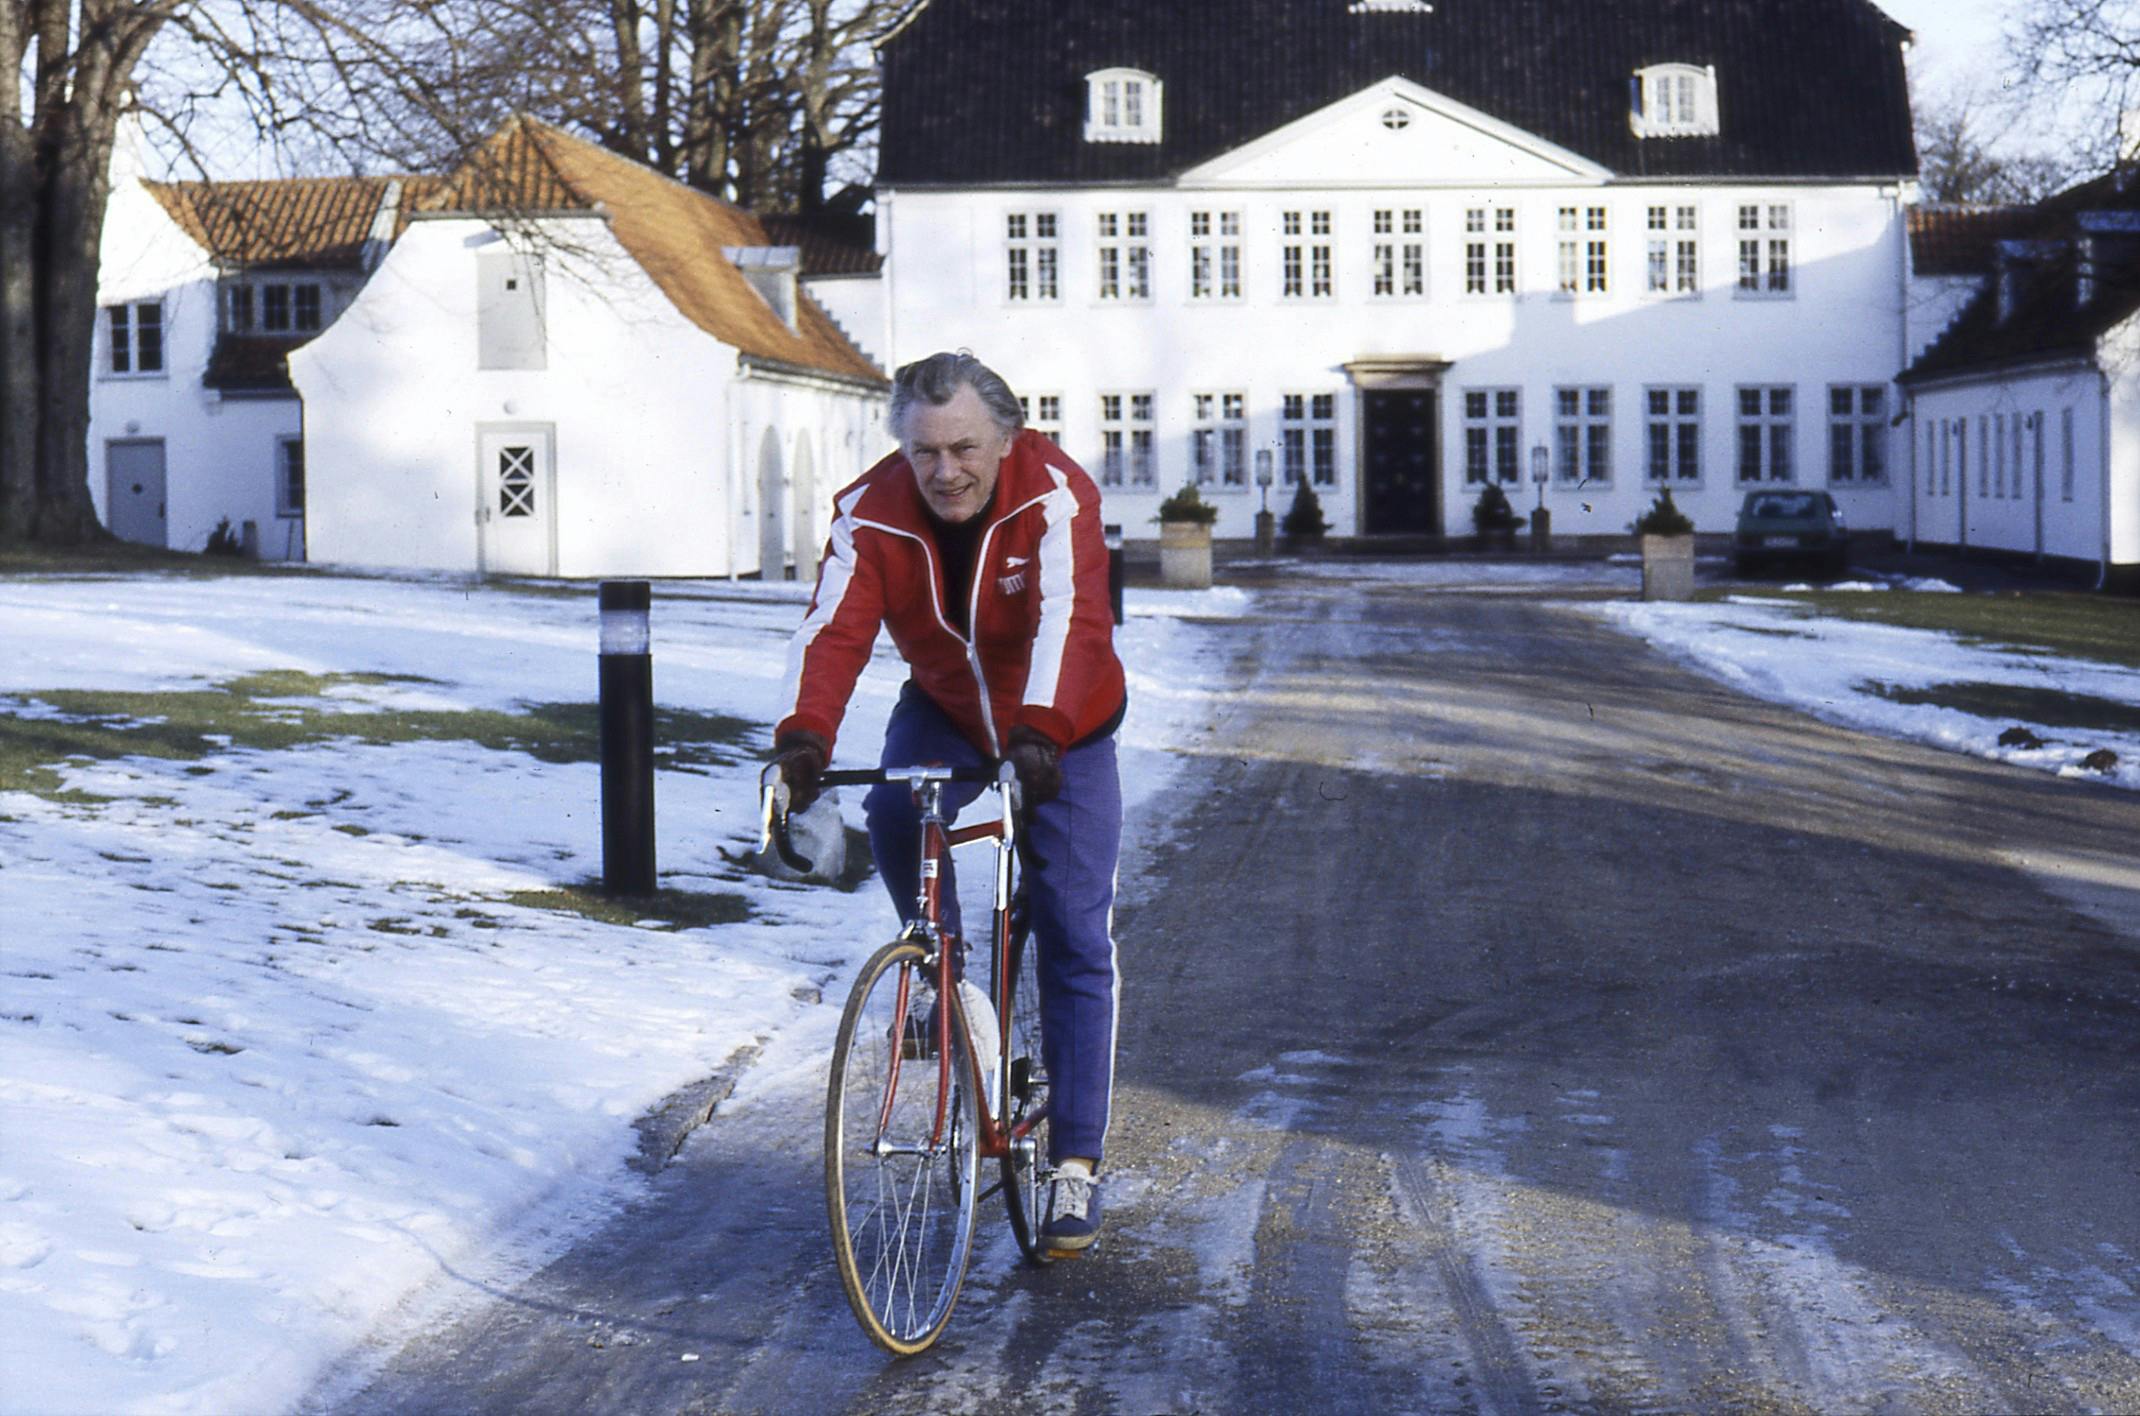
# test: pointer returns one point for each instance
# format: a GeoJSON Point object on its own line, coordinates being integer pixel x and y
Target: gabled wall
{"type": "Point", "coordinates": [221, 456]}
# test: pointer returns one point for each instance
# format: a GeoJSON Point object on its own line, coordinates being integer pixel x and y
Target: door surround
{"type": "Point", "coordinates": [1396, 373]}
{"type": "Point", "coordinates": [545, 488]}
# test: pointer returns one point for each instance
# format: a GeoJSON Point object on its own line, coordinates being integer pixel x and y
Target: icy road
{"type": "Point", "coordinates": [1513, 1022]}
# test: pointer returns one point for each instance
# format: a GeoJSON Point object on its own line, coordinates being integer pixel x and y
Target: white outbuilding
{"type": "Point", "coordinates": [2024, 415]}
{"type": "Point", "coordinates": [571, 365]}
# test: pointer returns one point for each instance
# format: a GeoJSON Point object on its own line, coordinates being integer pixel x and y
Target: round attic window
{"type": "Point", "coordinates": [1396, 119]}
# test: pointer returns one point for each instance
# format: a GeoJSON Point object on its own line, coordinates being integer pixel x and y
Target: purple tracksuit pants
{"type": "Point", "coordinates": [1079, 836]}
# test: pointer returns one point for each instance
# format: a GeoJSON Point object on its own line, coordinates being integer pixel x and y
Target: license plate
{"type": "Point", "coordinates": [1779, 540]}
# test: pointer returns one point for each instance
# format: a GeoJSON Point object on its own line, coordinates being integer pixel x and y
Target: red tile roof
{"type": "Point", "coordinates": [1964, 240]}
{"type": "Point", "coordinates": [676, 234]}
{"type": "Point", "coordinates": [312, 223]}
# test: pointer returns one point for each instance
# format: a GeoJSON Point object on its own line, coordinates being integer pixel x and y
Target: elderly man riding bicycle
{"type": "Point", "coordinates": [978, 545]}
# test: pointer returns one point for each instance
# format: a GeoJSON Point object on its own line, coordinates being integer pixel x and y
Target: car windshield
{"type": "Point", "coordinates": [1776, 506]}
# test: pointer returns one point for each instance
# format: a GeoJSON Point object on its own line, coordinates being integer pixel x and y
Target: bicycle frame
{"type": "Point", "coordinates": [938, 839]}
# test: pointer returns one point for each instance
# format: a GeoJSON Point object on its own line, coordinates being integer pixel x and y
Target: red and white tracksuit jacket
{"type": "Point", "coordinates": [1041, 654]}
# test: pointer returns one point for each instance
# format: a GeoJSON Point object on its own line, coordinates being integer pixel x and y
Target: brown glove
{"type": "Point", "coordinates": [801, 757]}
{"type": "Point", "coordinates": [1039, 765]}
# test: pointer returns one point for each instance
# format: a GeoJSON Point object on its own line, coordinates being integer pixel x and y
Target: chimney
{"type": "Point", "coordinates": [771, 271]}
{"type": "Point", "coordinates": [2015, 264]}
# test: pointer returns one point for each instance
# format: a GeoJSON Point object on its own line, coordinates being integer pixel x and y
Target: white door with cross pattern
{"type": "Point", "coordinates": [517, 510]}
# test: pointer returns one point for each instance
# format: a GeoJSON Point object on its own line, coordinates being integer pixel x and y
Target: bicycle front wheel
{"type": "Point", "coordinates": [1025, 1107]}
{"type": "Point", "coordinates": [901, 1156]}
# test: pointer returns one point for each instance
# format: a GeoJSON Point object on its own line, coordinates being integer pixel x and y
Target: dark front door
{"type": "Point", "coordinates": [1398, 470]}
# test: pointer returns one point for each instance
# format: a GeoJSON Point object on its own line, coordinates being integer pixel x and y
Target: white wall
{"type": "Point", "coordinates": [221, 456]}
{"type": "Point", "coordinates": [1978, 506]}
{"type": "Point", "coordinates": [1843, 324]}
{"type": "Point", "coordinates": [648, 415]}
{"type": "Point", "coordinates": [857, 303]}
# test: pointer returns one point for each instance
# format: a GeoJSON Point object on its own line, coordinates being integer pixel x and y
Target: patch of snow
{"type": "Point", "coordinates": [277, 1047]}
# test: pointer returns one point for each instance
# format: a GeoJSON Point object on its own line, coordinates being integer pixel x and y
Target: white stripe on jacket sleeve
{"type": "Point", "coordinates": [1058, 594]}
{"type": "Point", "coordinates": [833, 578]}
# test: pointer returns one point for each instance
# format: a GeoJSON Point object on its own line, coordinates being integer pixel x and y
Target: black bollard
{"type": "Point", "coordinates": [627, 739]}
{"type": "Point", "coordinates": [1112, 531]}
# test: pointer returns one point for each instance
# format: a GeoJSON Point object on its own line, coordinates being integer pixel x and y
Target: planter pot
{"type": "Point", "coordinates": [1667, 567]}
{"type": "Point", "coordinates": [1185, 554]}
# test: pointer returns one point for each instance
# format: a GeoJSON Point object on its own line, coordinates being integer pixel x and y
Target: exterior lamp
{"type": "Point", "coordinates": [1266, 529]}
{"type": "Point", "coordinates": [1541, 519]}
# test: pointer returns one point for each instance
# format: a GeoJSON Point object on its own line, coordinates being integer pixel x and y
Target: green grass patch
{"type": "Point", "coordinates": [2020, 703]}
{"type": "Point", "coordinates": [283, 709]}
{"type": "Point", "coordinates": [671, 909]}
{"type": "Point", "coordinates": [126, 558]}
{"type": "Point", "coordinates": [2100, 627]}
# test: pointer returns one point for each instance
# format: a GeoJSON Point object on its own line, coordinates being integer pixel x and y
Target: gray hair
{"type": "Point", "coordinates": [937, 379]}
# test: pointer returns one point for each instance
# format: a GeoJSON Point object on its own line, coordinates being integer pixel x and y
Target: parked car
{"type": "Point", "coordinates": [1780, 527]}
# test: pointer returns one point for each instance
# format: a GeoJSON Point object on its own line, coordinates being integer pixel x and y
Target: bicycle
{"type": "Point", "coordinates": [895, 1134]}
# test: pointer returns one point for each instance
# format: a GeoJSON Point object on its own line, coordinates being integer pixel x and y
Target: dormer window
{"type": "Point", "coordinates": [772, 272]}
{"type": "Point", "coordinates": [1674, 101]}
{"type": "Point", "coordinates": [1122, 106]}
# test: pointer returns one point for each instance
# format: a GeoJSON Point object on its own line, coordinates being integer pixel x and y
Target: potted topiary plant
{"type": "Point", "coordinates": [1667, 550]}
{"type": "Point", "coordinates": [1304, 524]}
{"type": "Point", "coordinates": [1185, 539]}
{"type": "Point", "coordinates": [1494, 520]}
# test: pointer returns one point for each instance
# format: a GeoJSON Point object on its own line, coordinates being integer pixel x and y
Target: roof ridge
{"type": "Point", "coordinates": [644, 169]}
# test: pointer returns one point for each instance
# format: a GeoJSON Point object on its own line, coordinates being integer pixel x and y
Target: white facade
{"type": "Point", "coordinates": [1314, 217]}
{"type": "Point", "coordinates": [2042, 460]}
{"type": "Point", "coordinates": [221, 458]}
{"type": "Point", "coordinates": [628, 442]}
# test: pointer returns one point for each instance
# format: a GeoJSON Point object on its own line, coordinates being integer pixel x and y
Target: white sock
{"type": "Point", "coordinates": [1074, 1167]}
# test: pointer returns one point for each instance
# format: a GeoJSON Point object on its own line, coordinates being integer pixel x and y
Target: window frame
{"type": "Point", "coordinates": [1111, 93]}
{"type": "Point", "coordinates": [1583, 246]}
{"type": "Point", "coordinates": [1676, 422]}
{"type": "Point", "coordinates": [1122, 245]}
{"type": "Point", "coordinates": [1767, 254]}
{"type": "Point", "coordinates": [1043, 413]}
{"type": "Point", "coordinates": [1307, 272]}
{"type": "Point", "coordinates": [1130, 462]}
{"type": "Point", "coordinates": [1307, 438]}
{"type": "Point", "coordinates": [1675, 100]}
{"type": "Point", "coordinates": [290, 507]}
{"type": "Point", "coordinates": [1776, 432]}
{"type": "Point", "coordinates": [1218, 440]}
{"type": "Point", "coordinates": [123, 331]}
{"type": "Point", "coordinates": [1868, 429]}
{"type": "Point", "coordinates": [1491, 267]}
{"type": "Point", "coordinates": [1042, 264]}
{"type": "Point", "coordinates": [1582, 438]}
{"type": "Point", "coordinates": [1495, 454]}
{"type": "Point", "coordinates": [1214, 244]}
{"type": "Point", "coordinates": [1673, 232]}
{"type": "Point", "coordinates": [1399, 254]}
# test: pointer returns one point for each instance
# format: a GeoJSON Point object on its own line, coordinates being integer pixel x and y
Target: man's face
{"type": "Point", "coordinates": [956, 450]}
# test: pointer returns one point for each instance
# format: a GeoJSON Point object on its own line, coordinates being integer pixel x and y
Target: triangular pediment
{"type": "Point", "coordinates": [1395, 132]}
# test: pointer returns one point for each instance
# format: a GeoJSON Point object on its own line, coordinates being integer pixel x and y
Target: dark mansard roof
{"type": "Point", "coordinates": [980, 92]}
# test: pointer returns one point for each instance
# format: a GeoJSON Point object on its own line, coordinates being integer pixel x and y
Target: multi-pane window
{"type": "Point", "coordinates": [1122, 106]}
{"type": "Point", "coordinates": [1857, 433]}
{"type": "Point", "coordinates": [1767, 427]}
{"type": "Point", "coordinates": [2065, 454]}
{"type": "Point", "coordinates": [275, 308]}
{"type": "Point", "coordinates": [1585, 263]}
{"type": "Point", "coordinates": [1400, 252]}
{"type": "Point", "coordinates": [290, 477]}
{"type": "Point", "coordinates": [1043, 414]}
{"type": "Point", "coordinates": [1214, 255]}
{"type": "Point", "coordinates": [238, 308]}
{"type": "Point", "coordinates": [2016, 463]}
{"type": "Point", "coordinates": [305, 298]}
{"type": "Point", "coordinates": [1998, 455]}
{"type": "Point", "coordinates": [1220, 441]}
{"type": "Point", "coordinates": [1125, 255]}
{"type": "Point", "coordinates": [1493, 434]}
{"type": "Point", "coordinates": [1765, 248]}
{"type": "Point", "coordinates": [1126, 441]}
{"type": "Point", "coordinates": [1490, 251]}
{"type": "Point", "coordinates": [1673, 426]}
{"type": "Point", "coordinates": [1031, 256]}
{"type": "Point", "coordinates": [1582, 430]}
{"type": "Point", "coordinates": [136, 337]}
{"type": "Point", "coordinates": [1304, 255]}
{"type": "Point", "coordinates": [1983, 455]}
{"type": "Point", "coordinates": [1675, 251]}
{"type": "Point", "coordinates": [1307, 428]}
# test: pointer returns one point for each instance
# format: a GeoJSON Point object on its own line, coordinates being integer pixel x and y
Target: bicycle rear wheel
{"type": "Point", "coordinates": [1025, 1103]}
{"type": "Point", "coordinates": [901, 1158]}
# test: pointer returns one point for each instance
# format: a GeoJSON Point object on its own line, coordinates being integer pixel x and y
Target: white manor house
{"type": "Point", "coordinates": [1400, 251]}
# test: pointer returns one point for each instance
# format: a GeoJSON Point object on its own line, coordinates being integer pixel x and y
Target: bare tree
{"type": "Point", "coordinates": [1958, 163]}
{"type": "Point", "coordinates": [2083, 55]}
{"type": "Point", "coordinates": [748, 99]}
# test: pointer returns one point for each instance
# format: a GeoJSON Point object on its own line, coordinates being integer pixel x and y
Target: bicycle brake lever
{"type": "Point", "coordinates": [773, 827]}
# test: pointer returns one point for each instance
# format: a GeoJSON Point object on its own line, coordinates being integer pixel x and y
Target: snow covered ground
{"type": "Point", "coordinates": [284, 1033]}
{"type": "Point", "coordinates": [1779, 650]}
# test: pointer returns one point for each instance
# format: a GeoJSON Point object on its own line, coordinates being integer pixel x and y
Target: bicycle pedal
{"type": "Point", "coordinates": [1060, 1254]}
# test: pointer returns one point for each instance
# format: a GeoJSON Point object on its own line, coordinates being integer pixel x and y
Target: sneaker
{"type": "Point", "coordinates": [1072, 1214]}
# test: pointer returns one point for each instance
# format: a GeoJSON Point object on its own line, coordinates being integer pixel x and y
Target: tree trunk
{"type": "Point", "coordinates": [72, 183]}
{"type": "Point", "coordinates": [19, 400]}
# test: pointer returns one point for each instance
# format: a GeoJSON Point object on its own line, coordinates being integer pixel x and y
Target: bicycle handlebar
{"type": "Point", "coordinates": [773, 797]}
